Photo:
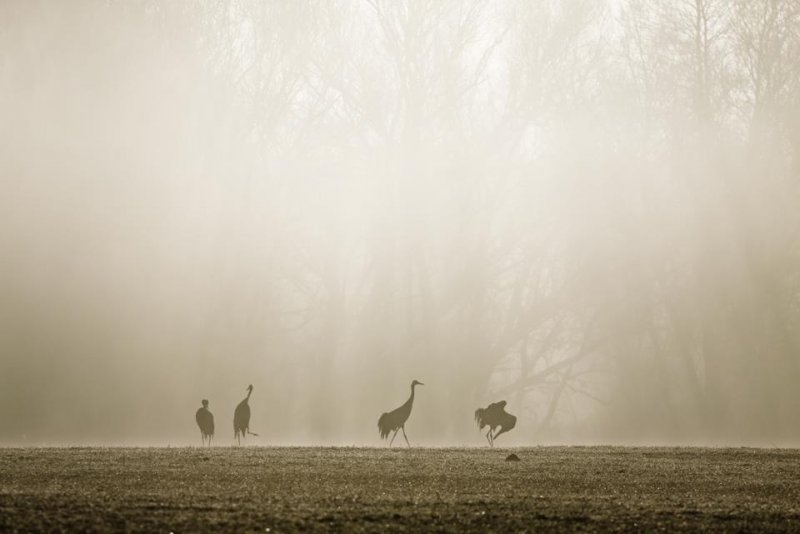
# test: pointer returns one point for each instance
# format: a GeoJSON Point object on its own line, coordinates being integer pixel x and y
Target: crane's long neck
{"type": "Point", "coordinates": [405, 409]}
{"type": "Point", "coordinates": [249, 392]}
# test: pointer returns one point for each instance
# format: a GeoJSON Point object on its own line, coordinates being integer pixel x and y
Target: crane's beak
{"type": "Point", "coordinates": [420, 384]}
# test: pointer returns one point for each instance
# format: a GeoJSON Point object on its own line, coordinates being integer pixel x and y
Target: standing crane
{"type": "Point", "coordinates": [205, 420]}
{"type": "Point", "coordinates": [396, 419]}
{"type": "Point", "coordinates": [495, 416]}
{"type": "Point", "coordinates": [241, 417]}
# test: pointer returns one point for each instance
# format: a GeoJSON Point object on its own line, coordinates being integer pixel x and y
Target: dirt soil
{"type": "Point", "coordinates": [372, 490]}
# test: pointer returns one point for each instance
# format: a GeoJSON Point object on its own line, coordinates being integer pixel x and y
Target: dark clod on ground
{"type": "Point", "coordinates": [512, 458]}
{"type": "Point", "coordinates": [251, 489]}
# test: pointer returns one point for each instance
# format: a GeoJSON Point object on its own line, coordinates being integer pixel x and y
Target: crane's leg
{"type": "Point", "coordinates": [202, 438]}
{"type": "Point", "coordinates": [488, 438]}
{"type": "Point", "coordinates": [393, 436]}
{"type": "Point", "coordinates": [404, 435]}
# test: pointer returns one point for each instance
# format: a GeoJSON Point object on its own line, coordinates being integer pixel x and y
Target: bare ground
{"type": "Point", "coordinates": [357, 489]}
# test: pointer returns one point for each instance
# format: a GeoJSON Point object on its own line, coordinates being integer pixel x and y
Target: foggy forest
{"type": "Point", "coordinates": [586, 208]}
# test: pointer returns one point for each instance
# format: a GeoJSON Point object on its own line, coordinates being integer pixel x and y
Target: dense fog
{"type": "Point", "coordinates": [587, 209]}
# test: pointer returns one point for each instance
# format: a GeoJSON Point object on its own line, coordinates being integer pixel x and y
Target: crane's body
{"type": "Point", "coordinates": [396, 419]}
{"type": "Point", "coordinates": [241, 417]}
{"type": "Point", "coordinates": [205, 420]}
{"type": "Point", "coordinates": [495, 416]}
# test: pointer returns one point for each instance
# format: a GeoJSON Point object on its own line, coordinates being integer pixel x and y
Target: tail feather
{"type": "Point", "coordinates": [479, 418]}
{"type": "Point", "coordinates": [383, 426]}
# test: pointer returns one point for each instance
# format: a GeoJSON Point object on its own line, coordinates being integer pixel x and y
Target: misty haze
{"type": "Point", "coordinates": [591, 210]}
{"type": "Point", "coordinates": [580, 218]}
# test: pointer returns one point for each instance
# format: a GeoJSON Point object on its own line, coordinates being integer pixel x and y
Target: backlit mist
{"type": "Point", "coordinates": [590, 210]}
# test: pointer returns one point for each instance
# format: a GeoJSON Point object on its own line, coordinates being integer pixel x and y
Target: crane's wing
{"type": "Point", "coordinates": [241, 416]}
{"type": "Point", "coordinates": [507, 422]}
{"type": "Point", "coordinates": [205, 420]}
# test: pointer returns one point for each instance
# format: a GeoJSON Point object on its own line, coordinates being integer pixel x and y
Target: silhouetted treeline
{"type": "Point", "coordinates": [587, 209]}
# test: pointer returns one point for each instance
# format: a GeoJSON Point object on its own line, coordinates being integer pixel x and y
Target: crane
{"type": "Point", "coordinates": [495, 416]}
{"type": "Point", "coordinates": [396, 419]}
{"type": "Point", "coordinates": [205, 420]}
{"type": "Point", "coordinates": [241, 417]}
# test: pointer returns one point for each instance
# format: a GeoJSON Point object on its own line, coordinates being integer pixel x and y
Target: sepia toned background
{"type": "Point", "coordinates": [588, 209]}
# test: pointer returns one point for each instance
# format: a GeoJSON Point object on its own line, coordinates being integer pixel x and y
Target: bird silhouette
{"type": "Point", "coordinates": [241, 417]}
{"type": "Point", "coordinates": [396, 419]}
{"type": "Point", "coordinates": [205, 420]}
{"type": "Point", "coordinates": [495, 416]}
